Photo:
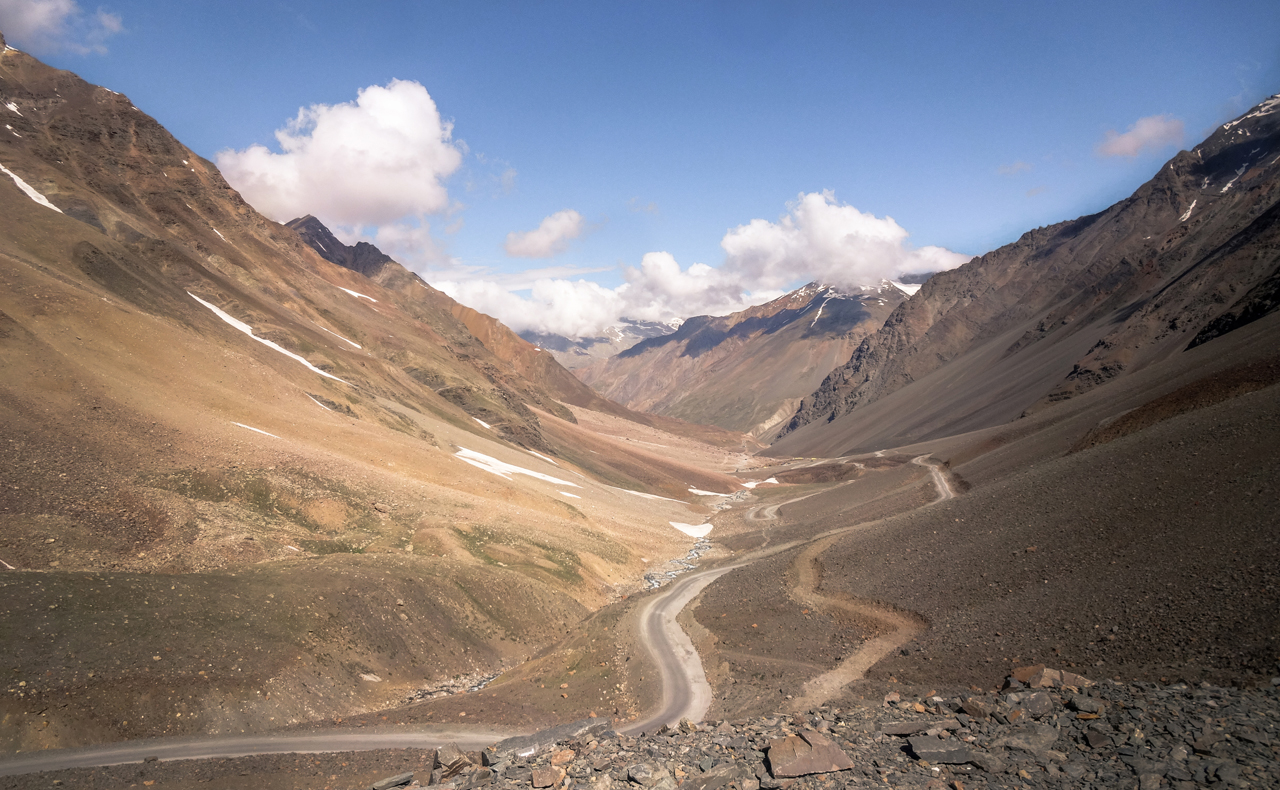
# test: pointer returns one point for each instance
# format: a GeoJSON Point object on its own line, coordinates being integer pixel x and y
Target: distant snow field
{"type": "Point", "coordinates": [754, 483]}
{"type": "Point", "coordinates": [482, 422]}
{"type": "Point", "coordinates": [566, 493]}
{"type": "Point", "coordinates": [692, 530]}
{"type": "Point", "coordinates": [248, 330]}
{"type": "Point", "coordinates": [705, 493]}
{"type": "Point", "coordinates": [27, 188]}
{"type": "Point", "coordinates": [543, 457]}
{"type": "Point", "coordinates": [907, 288]}
{"type": "Point", "coordinates": [504, 469]}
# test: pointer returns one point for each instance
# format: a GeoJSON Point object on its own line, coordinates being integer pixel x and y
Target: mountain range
{"type": "Point", "coordinates": [746, 371]}
{"type": "Point", "coordinates": [254, 478]}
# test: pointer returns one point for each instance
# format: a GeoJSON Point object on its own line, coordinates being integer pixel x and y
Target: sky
{"type": "Point", "coordinates": [563, 165]}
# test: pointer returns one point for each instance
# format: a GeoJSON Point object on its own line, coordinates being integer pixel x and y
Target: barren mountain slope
{"type": "Point", "coordinates": [1191, 254]}
{"type": "Point", "coordinates": [744, 371]}
{"type": "Point", "coordinates": [531, 363]}
{"type": "Point", "coordinates": [241, 486]}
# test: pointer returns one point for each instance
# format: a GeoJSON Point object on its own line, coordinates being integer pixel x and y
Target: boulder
{"type": "Point", "coordinates": [810, 752]}
{"type": "Point", "coordinates": [937, 750]}
{"type": "Point", "coordinates": [400, 780]}
{"type": "Point", "coordinates": [1034, 738]}
{"type": "Point", "coordinates": [916, 727]}
{"type": "Point", "coordinates": [1024, 674]}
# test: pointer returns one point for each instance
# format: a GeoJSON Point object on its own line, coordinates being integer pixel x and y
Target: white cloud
{"type": "Point", "coordinates": [1013, 169]}
{"type": "Point", "coordinates": [550, 238]}
{"type": "Point", "coordinates": [57, 25]}
{"type": "Point", "coordinates": [1154, 131]}
{"type": "Point", "coordinates": [819, 239]}
{"type": "Point", "coordinates": [572, 308]}
{"type": "Point", "coordinates": [377, 163]}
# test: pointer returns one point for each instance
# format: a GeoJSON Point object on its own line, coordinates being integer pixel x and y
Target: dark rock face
{"type": "Point", "coordinates": [1192, 254]}
{"type": "Point", "coordinates": [363, 257]}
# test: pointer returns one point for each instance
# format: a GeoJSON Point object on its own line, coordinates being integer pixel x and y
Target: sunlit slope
{"type": "Point", "coordinates": [1190, 256]}
{"type": "Point", "coordinates": [745, 371]}
{"type": "Point", "coordinates": [191, 394]}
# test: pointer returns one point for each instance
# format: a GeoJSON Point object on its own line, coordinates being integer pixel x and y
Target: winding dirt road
{"type": "Point", "coordinates": [244, 745]}
{"type": "Point", "coordinates": [898, 627]}
{"type": "Point", "coordinates": [685, 691]}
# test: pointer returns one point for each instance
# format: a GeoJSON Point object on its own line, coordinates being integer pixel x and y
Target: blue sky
{"type": "Point", "coordinates": [651, 128]}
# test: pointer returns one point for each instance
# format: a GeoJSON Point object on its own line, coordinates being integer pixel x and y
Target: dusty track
{"type": "Point", "coordinates": [685, 691]}
{"type": "Point", "coordinates": [898, 627]}
{"type": "Point", "coordinates": [939, 479]}
{"type": "Point", "coordinates": [205, 748]}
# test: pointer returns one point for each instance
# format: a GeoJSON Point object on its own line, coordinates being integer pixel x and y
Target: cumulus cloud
{"type": "Point", "coordinates": [818, 239]}
{"type": "Point", "coordinates": [550, 238]}
{"type": "Point", "coordinates": [373, 167]}
{"type": "Point", "coordinates": [1013, 169]}
{"type": "Point", "coordinates": [57, 25]}
{"type": "Point", "coordinates": [822, 239]}
{"type": "Point", "coordinates": [1154, 131]}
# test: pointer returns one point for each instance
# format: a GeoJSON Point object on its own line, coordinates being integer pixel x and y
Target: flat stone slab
{"type": "Point", "coordinates": [399, 780]}
{"type": "Point", "coordinates": [917, 727]}
{"type": "Point", "coordinates": [1032, 738]}
{"type": "Point", "coordinates": [937, 750]}
{"type": "Point", "coordinates": [810, 752]}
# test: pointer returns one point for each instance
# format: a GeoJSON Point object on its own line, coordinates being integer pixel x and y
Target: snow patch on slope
{"type": "Point", "coordinates": [357, 294]}
{"type": "Point", "coordinates": [27, 188]}
{"type": "Point", "coordinates": [543, 457]}
{"type": "Point", "coordinates": [647, 496]}
{"type": "Point", "coordinates": [258, 430]}
{"type": "Point", "coordinates": [692, 530]}
{"type": "Point", "coordinates": [907, 288]}
{"type": "Point", "coordinates": [248, 330]}
{"type": "Point", "coordinates": [504, 469]}
{"type": "Point", "coordinates": [335, 334]}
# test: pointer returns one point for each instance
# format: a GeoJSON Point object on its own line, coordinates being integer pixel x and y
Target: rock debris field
{"type": "Point", "coordinates": [1046, 728]}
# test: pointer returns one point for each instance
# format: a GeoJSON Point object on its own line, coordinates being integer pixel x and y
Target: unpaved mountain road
{"type": "Point", "coordinates": [241, 746]}
{"type": "Point", "coordinates": [686, 693]}
{"type": "Point", "coordinates": [939, 479]}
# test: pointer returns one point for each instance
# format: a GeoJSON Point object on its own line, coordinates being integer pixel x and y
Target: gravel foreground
{"type": "Point", "coordinates": [1045, 729]}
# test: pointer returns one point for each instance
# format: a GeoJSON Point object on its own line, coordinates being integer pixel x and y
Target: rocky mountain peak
{"type": "Point", "coordinates": [363, 257]}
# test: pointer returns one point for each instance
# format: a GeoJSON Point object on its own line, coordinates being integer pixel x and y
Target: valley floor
{"type": "Point", "coordinates": [1150, 556]}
